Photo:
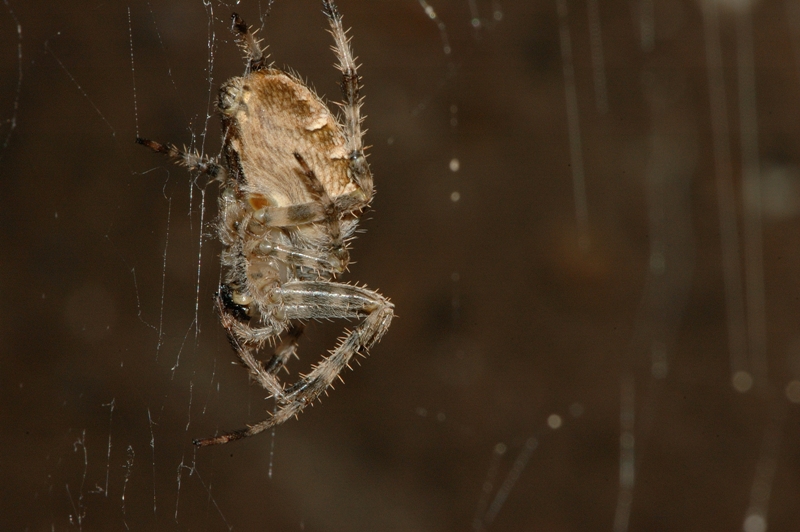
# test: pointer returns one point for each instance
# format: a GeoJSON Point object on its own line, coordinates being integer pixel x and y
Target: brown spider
{"type": "Point", "coordinates": [294, 181]}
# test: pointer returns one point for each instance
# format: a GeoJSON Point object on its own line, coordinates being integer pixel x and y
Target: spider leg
{"type": "Point", "coordinates": [304, 213]}
{"type": "Point", "coordinates": [247, 341]}
{"type": "Point", "coordinates": [290, 216]}
{"type": "Point", "coordinates": [323, 209]}
{"type": "Point", "coordinates": [351, 106]}
{"type": "Point", "coordinates": [256, 58]}
{"type": "Point", "coordinates": [331, 219]}
{"type": "Point", "coordinates": [322, 299]}
{"type": "Point", "coordinates": [308, 258]}
{"type": "Point", "coordinates": [285, 350]}
{"type": "Point", "coordinates": [194, 162]}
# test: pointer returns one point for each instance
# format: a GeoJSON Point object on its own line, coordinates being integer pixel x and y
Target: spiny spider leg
{"type": "Point", "coordinates": [256, 58]}
{"type": "Point", "coordinates": [352, 101]}
{"type": "Point", "coordinates": [331, 215]}
{"type": "Point", "coordinates": [203, 164]}
{"type": "Point", "coordinates": [309, 258]}
{"type": "Point", "coordinates": [286, 350]}
{"type": "Point", "coordinates": [246, 342]}
{"type": "Point", "coordinates": [304, 213]}
{"type": "Point", "coordinates": [290, 216]}
{"type": "Point", "coordinates": [323, 209]}
{"type": "Point", "coordinates": [306, 299]}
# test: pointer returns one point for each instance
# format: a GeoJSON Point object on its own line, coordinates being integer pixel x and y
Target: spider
{"type": "Point", "coordinates": [294, 180]}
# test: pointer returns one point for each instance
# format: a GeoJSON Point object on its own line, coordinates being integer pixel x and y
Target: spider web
{"type": "Point", "coordinates": [585, 217]}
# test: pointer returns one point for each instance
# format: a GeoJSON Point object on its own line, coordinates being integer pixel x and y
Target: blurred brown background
{"type": "Point", "coordinates": [635, 319]}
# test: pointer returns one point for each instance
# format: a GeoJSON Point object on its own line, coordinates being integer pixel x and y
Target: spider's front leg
{"type": "Point", "coordinates": [322, 299]}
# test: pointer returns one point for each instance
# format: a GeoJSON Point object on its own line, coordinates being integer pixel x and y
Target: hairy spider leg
{"type": "Point", "coordinates": [203, 164]}
{"type": "Point", "coordinates": [289, 216]}
{"type": "Point", "coordinates": [309, 258]}
{"type": "Point", "coordinates": [351, 106]}
{"type": "Point", "coordinates": [247, 341]}
{"type": "Point", "coordinates": [286, 349]}
{"type": "Point", "coordinates": [322, 299]}
{"type": "Point", "coordinates": [332, 225]}
{"type": "Point", "coordinates": [256, 58]}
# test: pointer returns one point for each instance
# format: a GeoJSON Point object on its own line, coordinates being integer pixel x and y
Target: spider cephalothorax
{"type": "Point", "coordinates": [294, 180]}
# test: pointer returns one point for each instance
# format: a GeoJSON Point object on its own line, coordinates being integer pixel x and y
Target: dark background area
{"type": "Point", "coordinates": [510, 307]}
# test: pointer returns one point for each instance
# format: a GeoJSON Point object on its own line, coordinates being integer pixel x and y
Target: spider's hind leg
{"type": "Point", "coordinates": [317, 300]}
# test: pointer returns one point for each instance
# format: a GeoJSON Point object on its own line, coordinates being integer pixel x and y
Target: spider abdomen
{"type": "Point", "coordinates": [271, 117]}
